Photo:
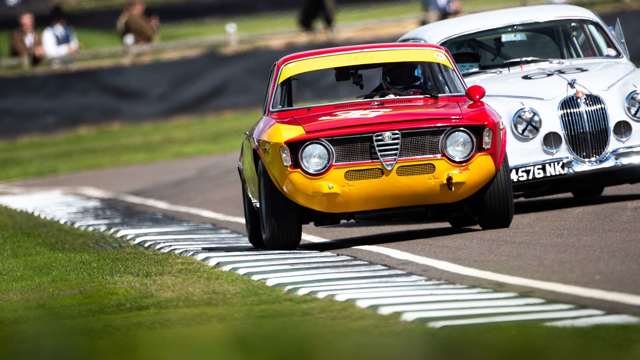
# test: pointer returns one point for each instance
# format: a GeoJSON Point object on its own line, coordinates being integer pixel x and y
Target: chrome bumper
{"type": "Point", "coordinates": [619, 158]}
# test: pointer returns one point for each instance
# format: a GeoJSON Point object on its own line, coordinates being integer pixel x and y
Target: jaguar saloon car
{"type": "Point", "coordinates": [563, 84]}
{"type": "Point", "coordinates": [369, 129]}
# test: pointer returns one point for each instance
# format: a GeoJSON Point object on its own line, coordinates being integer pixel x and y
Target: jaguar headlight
{"type": "Point", "coordinates": [526, 124]}
{"type": "Point", "coordinates": [315, 157]}
{"type": "Point", "coordinates": [458, 145]}
{"type": "Point", "coordinates": [632, 105]}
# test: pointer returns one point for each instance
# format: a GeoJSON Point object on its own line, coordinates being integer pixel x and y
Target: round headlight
{"type": "Point", "coordinates": [526, 124]}
{"type": "Point", "coordinates": [632, 105]}
{"type": "Point", "coordinates": [458, 145]}
{"type": "Point", "coordinates": [315, 157]}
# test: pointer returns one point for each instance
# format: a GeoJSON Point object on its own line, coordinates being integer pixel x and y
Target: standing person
{"type": "Point", "coordinates": [436, 10]}
{"type": "Point", "coordinates": [312, 9]}
{"type": "Point", "coordinates": [25, 41]}
{"type": "Point", "coordinates": [58, 39]}
{"type": "Point", "coordinates": [134, 26]}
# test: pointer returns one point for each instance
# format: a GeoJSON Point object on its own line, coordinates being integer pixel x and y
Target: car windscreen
{"type": "Point", "coordinates": [526, 43]}
{"type": "Point", "coordinates": [368, 81]}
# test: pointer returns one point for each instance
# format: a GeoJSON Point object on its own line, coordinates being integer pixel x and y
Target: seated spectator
{"type": "Point", "coordinates": [58, 39]}
{"type": "Point", "coordinates": [25, 42]}
{"type": "Point", "coordinates": [134, 26]}
{"type": "Point", "coordinates": [436, 10]}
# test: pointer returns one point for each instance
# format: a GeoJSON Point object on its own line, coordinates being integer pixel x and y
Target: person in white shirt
{"type": "Point", "coordinates": [59, 40]}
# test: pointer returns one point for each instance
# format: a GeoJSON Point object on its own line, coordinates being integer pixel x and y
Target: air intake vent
{"type": "Point", "coordinates": [363, 174]}
{"type": "Point", "coordinates": [413, 170]}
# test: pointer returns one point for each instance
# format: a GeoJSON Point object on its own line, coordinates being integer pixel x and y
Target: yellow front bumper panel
{"type": "Point", "coordinates": [347, 189]}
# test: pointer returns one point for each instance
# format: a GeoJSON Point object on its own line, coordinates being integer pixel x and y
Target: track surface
{"type": "Point", "coordinates": [595, 245]}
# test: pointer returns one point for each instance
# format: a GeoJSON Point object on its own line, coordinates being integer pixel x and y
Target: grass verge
{"type": "Point", "coordinates": [123, 144]}
{"type": "Point", "coordinates": [71, 294]}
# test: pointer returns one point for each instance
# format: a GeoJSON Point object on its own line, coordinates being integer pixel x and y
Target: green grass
{"type": "Point", "coordinates": [123, 144]}
{"type": "Point", "coordinates": [78, 295]}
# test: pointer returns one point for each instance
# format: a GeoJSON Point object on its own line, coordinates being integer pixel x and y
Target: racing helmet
{"type": "Point", "coordinates": [401, 77]}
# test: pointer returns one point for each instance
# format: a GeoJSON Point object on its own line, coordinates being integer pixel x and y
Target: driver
{"type": "Point", "coordinates": [398, 79]}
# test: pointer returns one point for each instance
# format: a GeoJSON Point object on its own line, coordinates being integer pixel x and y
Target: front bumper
{"type": "Point", "coordinates": [620, 166]}
{"type": "Point", "coordinates": [333, 193]}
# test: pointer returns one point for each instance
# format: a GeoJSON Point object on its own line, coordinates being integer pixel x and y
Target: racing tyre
{"type": "Point", "coordinates": [495, 202]}
{"type": "Point", "coordinates": [462, 221]}
{"type": "Point", "coordinates": [588, 193]}
{"type": "Point", "coordinates": [251, 221]}
{"type": "Point", "coordinates": [280, 222]}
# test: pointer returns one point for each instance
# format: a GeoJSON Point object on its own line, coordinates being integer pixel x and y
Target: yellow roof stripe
{"type": "Point", "coordinates": [362, 58]}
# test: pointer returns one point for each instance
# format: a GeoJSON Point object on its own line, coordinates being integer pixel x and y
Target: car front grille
{"type": "Point", "coordinates": [360, 148]}
{"type": "Point", "coordinates": [586, 125]}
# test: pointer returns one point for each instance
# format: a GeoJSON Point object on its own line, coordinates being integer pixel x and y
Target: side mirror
{"type": "Point", "coordinates": [476, 93]}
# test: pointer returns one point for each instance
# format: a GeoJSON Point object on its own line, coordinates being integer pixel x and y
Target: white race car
{"type": "Point", "coordinates": [562, 81]}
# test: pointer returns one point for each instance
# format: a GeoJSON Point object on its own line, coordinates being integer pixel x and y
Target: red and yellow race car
{"type": "Point", "coordinates": [359, 130]}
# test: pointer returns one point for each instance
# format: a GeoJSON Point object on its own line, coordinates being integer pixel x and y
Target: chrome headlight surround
{"type": "Point", "coordinates": [454, 137]}
{"type": "Point", "coordinates": [318, 151]}
{"type": "Point", "coordinates": [632, 105]}
{"type": "Point", "coordinates": [526, 124]}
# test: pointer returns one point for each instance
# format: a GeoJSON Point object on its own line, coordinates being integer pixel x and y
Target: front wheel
{"type": "Point", "coordinates": [251, 220]}
{"type": "Point", "coordinates": [280, 222]}
{"type": "Point", "coordinates": [495, 202]}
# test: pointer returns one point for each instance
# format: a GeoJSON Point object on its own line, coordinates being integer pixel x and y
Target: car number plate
{"type": "Point", "coordinates": [540, 171]}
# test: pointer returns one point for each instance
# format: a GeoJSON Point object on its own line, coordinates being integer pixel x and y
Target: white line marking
{"type": "Point", "coordinates": [177, 237]}
{"type": "Point", "coordinates": [403, 278]}
{"type": "Point", "coordinates": [93, 192]}
{"type": "Point", "coordinates": [386, 284]}
{"type": "Point", "coordinates": [369, 290]}
{"type": "Point", "coordinates": [286, 262]}
{"type": "Point", "coordinates": [210, 254]}
{"type": "Point", "coordinates": [213, 261]}
{"type": "Point", "coordinates": [151, 230]}
{"type": "Point", "coordinates": [597, 320]}
{"type": "Point", "coordinates": [520, 317]}
{"type": "Point", "coordinates": [411, 316]}
{"type": "Point", "coordinates": [275, 275]}
{"type": "Point", "coordinates": [402, 294]}
{"type": "Point", "coordinates": [431, 298]}
{"type": "Point", "coordinates": [584, 292]}
{"type": "Point", "coordinates": [334, 265]}
{"type": "Point", "coordinates": [351, 275]}
{"type": "Point", "coordinates": [386, 310]}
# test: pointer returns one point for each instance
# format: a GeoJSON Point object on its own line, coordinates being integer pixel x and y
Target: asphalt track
{"type": "Point", "coordinates": [555, 239]}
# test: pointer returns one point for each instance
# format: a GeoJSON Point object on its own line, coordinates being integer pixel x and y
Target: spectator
{"type": "Point", "coordinates": [59, 40]}
{"type": "Point", "coordinates": [436, 10]}
{"type": "Point", "coordinates": [134, 26]}
{"type": "Point", "coordinates": [25, 42]}
{"type": "Point", "coordinates": [312, 9]}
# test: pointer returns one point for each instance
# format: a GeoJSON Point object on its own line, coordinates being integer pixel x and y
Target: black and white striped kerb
{"type": "Point", "coordinates": [321, 274]}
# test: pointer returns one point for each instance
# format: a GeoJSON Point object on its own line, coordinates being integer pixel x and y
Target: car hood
{"type": "Point", "coordinates": [532, 82]}
{"type": "Point", "coordinates": [357, 117]}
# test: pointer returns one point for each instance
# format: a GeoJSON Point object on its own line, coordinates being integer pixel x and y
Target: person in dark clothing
{"type": "Point", "coordinates": [313, 9]}
{"type": "Point", "coordinates": [25, 41]}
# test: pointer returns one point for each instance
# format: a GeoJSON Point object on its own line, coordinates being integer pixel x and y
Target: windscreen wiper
{"type": "Point", "coordinates": [524, 60]}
